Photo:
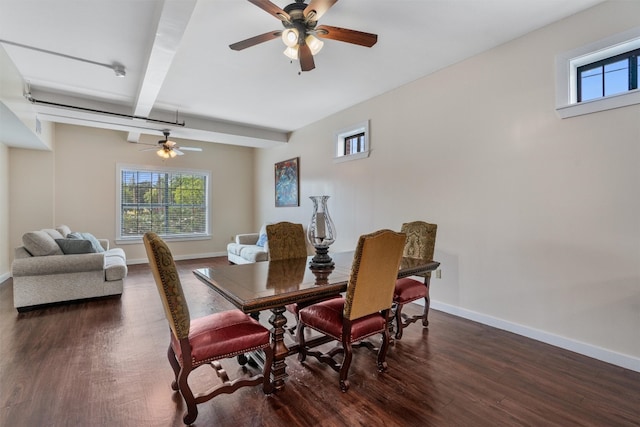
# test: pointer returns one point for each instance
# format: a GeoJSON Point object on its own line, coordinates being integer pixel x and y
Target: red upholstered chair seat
{"type": "Point", "coordinates": [222, 335]}
{"type": "Point", "coordinates": [408, 290]}
{"type": "Point", "coordinates": [328, 318]}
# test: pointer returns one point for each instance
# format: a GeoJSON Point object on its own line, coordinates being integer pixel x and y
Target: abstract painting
{"type": "Point", "coordinates": [287, 183]}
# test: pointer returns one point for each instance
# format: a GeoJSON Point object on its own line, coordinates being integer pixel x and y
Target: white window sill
{"type": "Point", "coordinates": [603, 104]}
{"type": "Point", "coordinates": [349, 157]}
{"type": "Point", "coordinates": [138, 240]}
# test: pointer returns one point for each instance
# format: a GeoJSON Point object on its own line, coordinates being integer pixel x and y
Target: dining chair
{"type": "Point", "coordinates": [204, 340]}
{"type": "Point", "coordinates": [287, 241]}
{"type": "Point", "coordinates": [421, 243]}
{"type": "Point", "coordinates": [365, 309]}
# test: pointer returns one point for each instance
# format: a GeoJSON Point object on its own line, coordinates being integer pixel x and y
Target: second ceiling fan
{"type": "Point", "coordinates": [301, 33]}
{"type": "Point", "coordinates": [169, 149]}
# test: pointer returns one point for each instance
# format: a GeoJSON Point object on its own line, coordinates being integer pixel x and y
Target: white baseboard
{"type": "Point", "coordinates": [4, 276]}
{"type": "Point", "coordinates": [618, 359]}
{"type": "Point", "coordinates": [179, 257]}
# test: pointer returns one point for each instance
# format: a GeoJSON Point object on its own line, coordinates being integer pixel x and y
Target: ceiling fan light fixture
{"type": "Point", "coordinates": [314, 43]}
{"type": "Point", "coordinates": [292, 52]}
{"type": "Point", "coordinates": [290, 37]}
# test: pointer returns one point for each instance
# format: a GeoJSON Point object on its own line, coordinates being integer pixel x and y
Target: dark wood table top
{"type": "Point", "coordinates": [267, 285]}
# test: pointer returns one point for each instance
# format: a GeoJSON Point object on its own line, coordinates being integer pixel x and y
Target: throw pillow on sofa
{"type": "Point", "coordinates": [75, 246]}
{"type": "Point", "coordinates": [40, 243]}
{"type": "Point", "coordinates": [262, 240]}
{"type": "Point", "coordinates": [87, 236]}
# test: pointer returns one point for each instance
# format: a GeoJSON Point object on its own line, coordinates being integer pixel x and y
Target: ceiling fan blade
{"type": "Point", "coordinates": [255, 40]}
{"type": "Point", "coordinates": [149, 149]}
{"type": "Point", "coordinates": [178, 152]}
{"type": "Point", "coordinates": [317, 8]}
{"type": "Point", "coordinates": [190, 148]}
{"type": "Point", "coordinates": [272, 9]}
{"type": "Point", "coordinates": [346, 35]}
{"type": "Point", "coordinates": [306, 58]}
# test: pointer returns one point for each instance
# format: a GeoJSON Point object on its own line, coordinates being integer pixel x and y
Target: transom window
{"type": "Point", "coordinates": [172, 203]}
{"type": "Point", "coordinates": [608, 77]}
{"type": "Point", "coordinates": [352, 143]}
{"type": "Point", "coordinates": [600, 76]}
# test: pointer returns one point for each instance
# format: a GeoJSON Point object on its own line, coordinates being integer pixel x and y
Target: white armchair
{"type": "Point", "coordinates": [248, 248]}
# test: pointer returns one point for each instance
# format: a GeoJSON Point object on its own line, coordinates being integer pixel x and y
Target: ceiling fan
{"type": "Point", "coordinates": [301, 33]}
{"type": "Point", "coordinates": [169, 149]}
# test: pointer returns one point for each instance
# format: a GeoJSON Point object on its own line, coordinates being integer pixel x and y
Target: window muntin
{"type": "Point", "coordinates": [172, 203]}
{"type": "Point", "coordinates": [607, 77]}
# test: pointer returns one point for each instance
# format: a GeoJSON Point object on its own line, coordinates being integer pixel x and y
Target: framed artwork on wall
{"type": "Point", "coordinates": [287, 185]}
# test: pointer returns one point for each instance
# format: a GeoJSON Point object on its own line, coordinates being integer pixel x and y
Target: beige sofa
{"type": "Point", "coordinates": [245, 248]}
{"type": "Point", "coordinates": [51, 267]}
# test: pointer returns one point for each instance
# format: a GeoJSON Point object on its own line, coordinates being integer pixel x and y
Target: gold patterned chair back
{"type": "Point", "coordinates": [373, 273]}
{"type": "Point", "coordinates": [421, 241]}
{"type": "Point", "coordinates": [286, 241]}
{"type": "Point", "coordinates": [168, 282]}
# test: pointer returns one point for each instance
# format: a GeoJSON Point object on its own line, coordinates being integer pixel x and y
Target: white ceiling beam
{"type": "Point", "coordinates": [172, 24]}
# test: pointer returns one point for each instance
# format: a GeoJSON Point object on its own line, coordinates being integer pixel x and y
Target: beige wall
{"type": "Point", "coordinates": [5, 246]}
{"type": "Point", "coordinates": [31, 192]}
{"type": "Point", "coordinates": [538, 216]}
{"type": "Point", "coordinates": [76, 185]}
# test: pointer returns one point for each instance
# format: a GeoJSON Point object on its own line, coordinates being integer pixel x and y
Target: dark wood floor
{"type": "Point", "coordinates": [103, 363]}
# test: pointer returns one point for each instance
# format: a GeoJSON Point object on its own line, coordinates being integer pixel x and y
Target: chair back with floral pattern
{"type": "Point", "coordinates": [421, 241]}
{"type": "Point", "coordinates": [168, 282]}
{"type": "Point", "coordinates": [286, 241]}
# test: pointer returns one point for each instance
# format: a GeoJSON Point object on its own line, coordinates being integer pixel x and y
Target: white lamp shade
{"type": "Point", "coordinates": [314, 43]}
{"type": "Point", "coordinates": [292, 52]}
{"type": "Point", "coordinates": [290, 37]}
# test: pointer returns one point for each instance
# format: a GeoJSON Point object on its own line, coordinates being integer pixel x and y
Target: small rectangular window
{"type": "Point", "coordinates": [609, 76]}
{"type": "Point", "coordinates": [599, 76]}
{"type": "Point", "coordinates": [172, 203]}
{"type": "Point", "coordinates": [352, 143]}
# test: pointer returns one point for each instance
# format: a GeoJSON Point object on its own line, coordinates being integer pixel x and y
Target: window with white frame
{"type": "Point", "coordinates": [352, 143]}
{"type": "Point", "coordinates": [609, 76]}
{"type": "Point", "coordinates": [600, 76]}
{"type": "Point", "coordinates": [173, 203]}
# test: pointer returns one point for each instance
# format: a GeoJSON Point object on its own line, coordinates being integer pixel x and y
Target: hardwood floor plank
{"type": "Point", "coordinates": [103, 363]}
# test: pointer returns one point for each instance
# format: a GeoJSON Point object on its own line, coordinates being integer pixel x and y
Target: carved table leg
{"type": "Point", "coordinates": [427, 302]}
{"type": "Point", "coordinates": [280, 350]}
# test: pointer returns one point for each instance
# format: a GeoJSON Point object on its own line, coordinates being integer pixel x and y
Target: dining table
{"type": "Point", "coordinates": [272, 285]}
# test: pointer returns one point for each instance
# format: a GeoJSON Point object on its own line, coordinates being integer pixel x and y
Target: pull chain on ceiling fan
{"type": "Point", "coordinates": [169, 149]}
{"type": "Point", "coordinates": [301, 35]}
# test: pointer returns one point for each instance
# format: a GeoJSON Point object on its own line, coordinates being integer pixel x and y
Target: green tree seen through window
{"type": "Point", "coordinates": [168, 203]}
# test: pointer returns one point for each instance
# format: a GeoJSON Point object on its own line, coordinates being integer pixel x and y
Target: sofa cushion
{"type": "Point", "coordinates": [75, 246]}
{"type": "Point", "coordinates": [64, 230]}
{"type": "Point", "coordinates": [253, 253]}
{"type": "Point", "coordinates": [39, 243]}
{"type": "Point", "coordinates": [55, 234]}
